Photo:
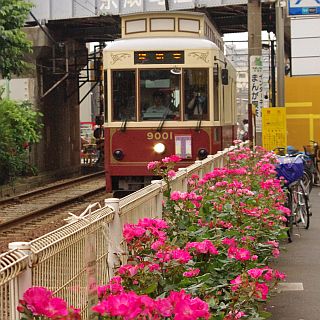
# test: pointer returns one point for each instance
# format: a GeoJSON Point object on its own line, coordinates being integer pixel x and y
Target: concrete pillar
{"type": "Point", "coordinates": [59, 149]}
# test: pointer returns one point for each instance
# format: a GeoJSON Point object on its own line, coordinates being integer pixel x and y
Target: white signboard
{"type": "Point", "coordinates": [303, 7]}
{"type": "Point", "coordinates": [305, 44]}
{"type": "Point", "coordinates": [256, 92]}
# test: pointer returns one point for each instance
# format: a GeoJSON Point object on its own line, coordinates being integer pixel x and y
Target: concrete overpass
{"type": "Point", "coordinates": [98, 20]}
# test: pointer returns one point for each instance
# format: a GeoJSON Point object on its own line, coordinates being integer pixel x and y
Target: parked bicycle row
{"type": "Point", "coordinates": [311, 159]}
{"type": "Point", "coordinates": [300, 171]}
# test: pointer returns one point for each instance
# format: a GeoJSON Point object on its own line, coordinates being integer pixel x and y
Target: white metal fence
{"type": "Point", "coordinates": [72, 260]}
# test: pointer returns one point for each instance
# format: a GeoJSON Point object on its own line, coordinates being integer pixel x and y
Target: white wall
{"type": "Point", "coordinates": [85, 106]}
{"type": "Point", "coordinates": [305, 46]}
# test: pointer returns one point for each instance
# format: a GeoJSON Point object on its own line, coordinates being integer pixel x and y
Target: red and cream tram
{"type": "Point", "coordinates": [169, 90]}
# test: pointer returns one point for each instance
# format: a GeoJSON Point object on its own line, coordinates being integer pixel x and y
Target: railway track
{"type": "Point", "coordinates": [32, 214]}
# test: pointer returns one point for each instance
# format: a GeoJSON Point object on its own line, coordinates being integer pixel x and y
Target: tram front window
{"type": "Point", "coordinates": [196, 94]}
{"type": "Point", "coordinates": [159, 95]}
{"type": "Point", "coordinates": [123, 96]}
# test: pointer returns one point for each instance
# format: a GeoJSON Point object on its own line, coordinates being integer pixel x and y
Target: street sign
{"type": "Point", "coordinates": [256, 96]}
{"type": "Point", "coordinates": [274, 129]}
{"type": "Point", "coordinates": [303, 7]}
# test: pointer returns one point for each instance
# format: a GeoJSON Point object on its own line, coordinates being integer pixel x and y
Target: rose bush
{"type": "Point", "coordinates": [39, 303]}
{"type": "Point", "coordinates": [209, 257]}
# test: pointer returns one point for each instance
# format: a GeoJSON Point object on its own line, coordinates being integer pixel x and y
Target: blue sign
{"type": "Point", "coordinates": [303, 7]}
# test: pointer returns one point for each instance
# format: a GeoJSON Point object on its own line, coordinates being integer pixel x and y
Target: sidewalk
{"type": "Point", "coordinates": [299, 298]}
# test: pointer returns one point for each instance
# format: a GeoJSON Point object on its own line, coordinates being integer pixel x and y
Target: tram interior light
{"type": "Point", "coordinates": [159, 148]}
{"type": "Point", "coordinates": [202, 153]}
{"type": "Point", "coordinates": [118, 154]}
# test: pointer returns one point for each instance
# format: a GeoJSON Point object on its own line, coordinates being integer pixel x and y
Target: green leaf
{"type": "Point", "coordinates": [212, 302]}
{"type": "Point", "coordinates": [265, 314]}
{"type": "Point", "coordinates": [153, 287]}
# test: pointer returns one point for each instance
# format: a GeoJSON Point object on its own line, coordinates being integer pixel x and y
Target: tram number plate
{"type": "Point", "coordinates": [159, 135]}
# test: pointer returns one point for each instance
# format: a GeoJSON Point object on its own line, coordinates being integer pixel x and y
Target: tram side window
{"type": "Point", "coordinates": [216, 114]}
{"type": "Point", "coordinates": [196, 94]}
{"type": "Point", "coordinates": [159, 95]}
{"type": "Point", "coordinates": [105, 86]}
{"type": "Point", "coordinates": [124, 95]}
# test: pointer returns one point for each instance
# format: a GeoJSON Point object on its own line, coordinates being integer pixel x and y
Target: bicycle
{"type": "Point", "coordinates": [291, 168]}
{"type": "Point", "coordinates": [298, 203]}
{"type": "Point", "coordinates": [313, 152]}
{"type": "Point", "coordinates": [307, 164]}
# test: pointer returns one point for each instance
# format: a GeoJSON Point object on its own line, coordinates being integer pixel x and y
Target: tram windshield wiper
{"type": "Point", "coordinates": [199, 123]}
{"type": "Point", "coordinates": [200, 116]}
{"type": "Point", "coordinates": [124, 125]}
{"type": "Point", "coordinates": [160, 126]}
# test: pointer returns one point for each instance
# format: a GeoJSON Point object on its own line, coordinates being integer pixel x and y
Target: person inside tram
{"type": "Point", "coordinates": [124, 110]}
{"type": "Point", "coordinates": [196, 107]}
{"type": "Point", "coordinates": [172, 108]}
{"type": "Point", "coordinates": [158, 109]}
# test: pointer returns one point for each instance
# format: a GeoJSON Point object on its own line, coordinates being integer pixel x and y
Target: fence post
{"type": "Point", "coordinates": [220, 159]}
{"type": "Point", "coordinates": [199, 162]}
{"type": "Point", "coordinates": [23, 281]}
{"type": "Point", "coordinates": [159, 198]}
{"type": "Point", "coordinates": [212, 161]}
{"type": "Point", "coordinates": [184, 179]}
{"type": "Point", "coordinates": [115, 235]}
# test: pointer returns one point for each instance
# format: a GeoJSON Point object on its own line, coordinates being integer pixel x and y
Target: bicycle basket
{"type": "Point", "coordinates": [290, 168]}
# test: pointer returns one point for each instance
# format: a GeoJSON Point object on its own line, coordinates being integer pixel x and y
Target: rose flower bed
{"type": "Point", "coordinates": [207, 259]}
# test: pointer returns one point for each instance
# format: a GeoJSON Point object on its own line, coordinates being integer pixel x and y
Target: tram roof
{"type": "Point", "coordinates": [155, 43]}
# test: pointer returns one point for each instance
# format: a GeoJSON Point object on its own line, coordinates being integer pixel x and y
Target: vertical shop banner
{"type": "Point", "coordinates": [274, 128]}
{"type": "Point", "coordinates": [256, 96]}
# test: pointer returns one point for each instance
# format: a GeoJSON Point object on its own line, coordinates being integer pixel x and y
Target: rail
{"type": "Point", "coordinates": [72, 260]}
{"type": "Point", "coordinates": [51, 187]}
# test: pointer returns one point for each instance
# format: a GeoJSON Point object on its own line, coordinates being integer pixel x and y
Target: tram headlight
{"type": "Point", "coordinates": [159, 148]}
{"type": "Point", "coordinates": [202, 153]}
{"type": "Point", "coordinates": [118, 154]}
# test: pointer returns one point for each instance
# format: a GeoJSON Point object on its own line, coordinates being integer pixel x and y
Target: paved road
{"type": "Point", "coordinates": [301, 262]}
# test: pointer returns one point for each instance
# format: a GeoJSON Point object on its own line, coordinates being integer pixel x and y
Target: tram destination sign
{"type": "Point", "coordinates": [158, 57]}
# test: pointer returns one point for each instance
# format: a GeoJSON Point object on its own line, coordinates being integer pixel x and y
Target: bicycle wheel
{"type": "Point", "coordinates": [292, 205]}
{"type": "Point", "coordinates": [316, 176]}
{"type": "Point", "coordinates": [307, 180]}
{"type": "Point", "coordinates": [302, 213]}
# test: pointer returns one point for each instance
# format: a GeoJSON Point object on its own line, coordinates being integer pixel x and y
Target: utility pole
{"type": "Point", "coordinates": [273, 76]}
{"type": "Point", "coordinates": [280, 4]}
{"type": "Point", "coordinates": [254, 49]}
